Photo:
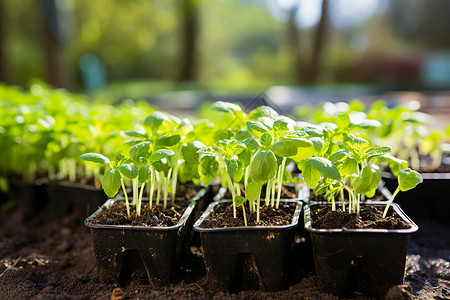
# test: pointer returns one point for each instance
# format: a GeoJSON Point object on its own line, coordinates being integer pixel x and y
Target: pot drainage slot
{"type": "Point", "coordinates": [246, 274]}
{"type": "Point", "coordinates": [132, 268]}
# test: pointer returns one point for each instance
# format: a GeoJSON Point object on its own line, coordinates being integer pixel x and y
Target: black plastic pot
{"type": "Point", "coordinates": [253, 257]}
{"type": "Point", "coordinates": [367, 261]}
{"type": "Point", "coordinates": [67, 198]}
{"type": "Point", "coordinates": [427, 200]}
{"type": "Point", "coordinates": [30, 198]}
{"type": "Point", "coordinates": [125, 251]}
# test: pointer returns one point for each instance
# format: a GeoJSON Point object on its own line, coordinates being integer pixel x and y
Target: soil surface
{"type": "Point", "coordinates": [156, 216]}
{"type": "Point", "coordinates": [370, 217]}
{"type": "Point", "coordinates": [222, 216]}
{"type": "Point", "coordinates": [43, 258]}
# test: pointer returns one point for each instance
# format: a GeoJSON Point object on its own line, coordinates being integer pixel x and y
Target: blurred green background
{"type": "Point", "coordinates": [137, 48]}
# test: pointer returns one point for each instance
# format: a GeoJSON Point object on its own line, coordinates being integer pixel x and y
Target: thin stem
{"type": "Point", "coordinates": [357, 204]}
{"type": "Point", "coordinates": [237, 188]}
{"type": "Point", "coordinates": [273, 191]}
{"type": "Point", "coordinates": [135, 191]}
{"type": "Point", "coordinates": [166, 184]}
{"type": "Point", "coordinates": [390, 201]}
{"type": "Point", "coordinates": [126, 196]}
{"type": "Point", "coordinates": [166, 191]}
{"type": "Point", "coordinates": [152, 189]}
{"type": "Point", "coordinates": [247, 170]}
{"type": "Point", "coordinates": [280, 182]}
{"type": "Point", "coordinates": [243, 213]}
{"type": "Point", "coordinates": [138, 204]}
{"type": "Point", "coordinates": [258, 202]}
{"type": "Point", "coordinates": [333, 204]}
{"type": "Point", "coordinates": [341, 192]}
{"type": "Point", "coordinates": [158, 191]}
{"type": "Point", "coordinates": [233, 195]}
{"type": "Point", "coordinates": [268, 186]}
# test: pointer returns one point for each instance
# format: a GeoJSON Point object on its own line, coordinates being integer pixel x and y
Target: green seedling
{"type": "Point", "coordinates": [407, 180]}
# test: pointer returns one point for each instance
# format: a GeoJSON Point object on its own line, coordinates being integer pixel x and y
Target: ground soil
{"type": "Point", "coordinates": [43, 258]}
{"type": "Point", "coordinates": [370, 217]}
{"type": "Point", "coordinates": [222, 216]}
{"type": "Point", "coordinates": [156, 216]}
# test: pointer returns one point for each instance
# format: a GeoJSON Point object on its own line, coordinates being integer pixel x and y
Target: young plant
{"type": "Point", "coordinates": [347, 163]}
{"type": "Point", "coordinates": [407, 180]}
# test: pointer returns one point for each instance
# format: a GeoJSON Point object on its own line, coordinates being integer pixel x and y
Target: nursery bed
{"type": "Point", "coordinates": [54, 259]}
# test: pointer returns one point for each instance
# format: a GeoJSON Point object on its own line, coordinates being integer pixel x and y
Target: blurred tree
{"type": "Point", "coordinates": [190, 28]}
{"type": "Point", "coordinates": [52, 38]}
{"type": "Point", "coordinates": [3, 61]}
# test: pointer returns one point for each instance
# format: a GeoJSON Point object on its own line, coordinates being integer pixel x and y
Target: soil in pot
{"type": "Point", "coordinates": [269, 216]}
{"type": "Point", "coordinates": [256, 256]}
{"type": "Point", "coordinates": [156, 216]}
{"type": "Point", "coordinates": [371, 217]}
{"type": "Point", "coordinates": [364, 254]}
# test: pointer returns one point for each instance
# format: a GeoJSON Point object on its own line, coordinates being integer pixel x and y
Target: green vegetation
{"type": "Point", "coordinates": [46, 131]}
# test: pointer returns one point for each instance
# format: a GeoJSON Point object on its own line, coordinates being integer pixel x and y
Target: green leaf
{"type": "Point", "coordinates": [321, 188]}
{"type": "Point", "coordinates": [238, 200]}
{"type": "Point", "coordinates": [349, 166]}
{"type": "Point", "coordinates": [234, 148]}
{"type": "Point", "coordinates": [144, 174]}
{"type": "Point", "coordinates": [137, 133]}
{"type": "Point", "coordinates": [301, 142]}
{"type": "Point", "coordinates": [140, 150]}
{"type": "Point", "coordinates": [343, 121]}
{"type": "Point", "coordinates": [168, 140]}
{"type": "Point", "coordinates": [408, 179]}
{"type": "Point", "coordinates": [208, 169]}
{"type": "Point", "coordinates": [155, 120]}
{"type": "Point", "coordinates": [339, 155]}
{"type": "Point", "coordinates": [266, 140]}
{"type": "Point", "coordinates": [234, 169]}
{"type": "Point", "coordinates": [395, 164]}
{"type": "Point", "coordinates": [111, 182]}
{"type": "Point", "coordinates": [310, 175]}
{"type": "Point", "coordinates": [303, 153]}
{"type": "Point", "coordinates": [264, 166]}
{"type": "Point", "coordinates": [368, 181]}
{"type": "Point", "coordinates": [226, 107]}
{"type": "Point", "coordinates": [160, 154]}
{"type": "Point", "coordinates": [252, 191]}
{"type": "Point", "coordinates": [256, 126]}
{"type": "Point", "coordinates": [373, 152]}
{"type": "Point", "coordinates": [245, 157]}
{"type": "Point", "coordinates": [190, 152]}
{"type": "Point", "coordinates": [318, 144]}
{"type": "Point", "coordinates": [251, 144]}
{"type": "Point", "coordinates": [325, 167]}
{"type": "Point", "coordinates": [284, 148]}
{"type": "Point", "coordinates": [95, 157]}
{"type": "Point", "coordinates": [128, 170]}
{"type": "Point", "coordinates": [280, 125]}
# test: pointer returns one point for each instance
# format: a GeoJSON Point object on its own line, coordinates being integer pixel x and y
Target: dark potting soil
{"type": "Point", "coordinates": [222, 216]}
{"type": "Point", "coordinates": [54, 259]}
{"type": "Point", "coordinates": [156, 216]}
{"type": "Point", "coordinates": [370, 217]}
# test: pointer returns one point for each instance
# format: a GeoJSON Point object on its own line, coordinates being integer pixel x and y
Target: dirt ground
{"type": "Point", "coordinates": [44, 258]}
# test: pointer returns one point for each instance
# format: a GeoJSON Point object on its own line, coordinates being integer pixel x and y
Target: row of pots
{"type": "Point", "coordinates": [259, 257]}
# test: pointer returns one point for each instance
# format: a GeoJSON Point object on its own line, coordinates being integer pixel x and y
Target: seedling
{"type": "Point", "coordinates": [349, 163]}
{"type": "Point", "coordinates": [140, 167]}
